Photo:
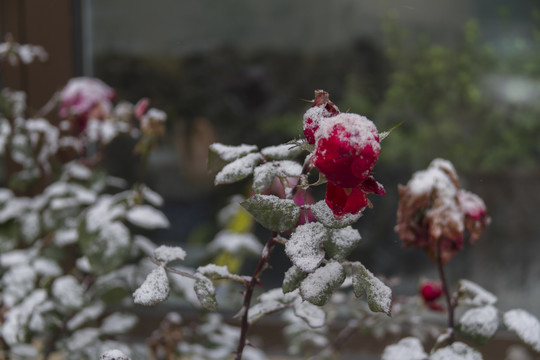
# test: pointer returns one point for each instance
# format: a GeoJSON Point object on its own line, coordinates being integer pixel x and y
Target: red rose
{"type": "Point", "coordinates": [431, 290]}
{"type": "Point", "coordinates": [346, 149]}
{"type": "Point", "coordinates": [322, 108]}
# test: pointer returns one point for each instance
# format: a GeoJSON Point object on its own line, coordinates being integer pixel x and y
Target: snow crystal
{"type": "Point", "coordinates": [304, 248]}
{"type": "Point", "coordinates": [154, 289]}
{"type": "Point", "coordinates": [88, 313]}
{"type": "Point", "coordinates": [281, 152]}
{"type": "Point", "coordinates": [166, 254]}
{"type": "Point", "coordinates": [68, 292]}
{"type": "Point", "coordinates": [118, 323]}
{"type": "Point", "coordinates": [483, 322]}
{"type": "Point", "coordinates": [234, 243]}
{"type": "Point", "coordinates": [474, 295]}
{"type": "Point", "coordinates": [231, 153]}
{"type": "Point", "coordinates": [114, 355]}
{"type": "Point", "coordinates": [238, 169]}
{"type": "Point", "coordinates": [317, 286]}
{"type": "Point", "coordinates": [409, 348]}
{"type": "Point", "coordinates": [525, 325]}
{"type": "Point", "coordinates": [147, 217]}
{"type": "Point", "coordinates": [456, 351]}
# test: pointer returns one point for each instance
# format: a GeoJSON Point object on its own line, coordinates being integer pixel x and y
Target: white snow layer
{"type": "Point", "coordinates": [409, 348]}
{"type": "Point", "coordinates": [154, 289]}
{"type": "Point", "coordinates": [525, 325]}
{"type": "Point", "coordinates": [147, 217]}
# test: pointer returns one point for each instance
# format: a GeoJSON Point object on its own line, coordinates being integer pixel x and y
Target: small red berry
{"type": "Point", "coordinates": [431, 291]}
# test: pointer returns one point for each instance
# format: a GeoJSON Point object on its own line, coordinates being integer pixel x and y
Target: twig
{"type": "Point", "coordinates": [261, 266]}
{"type": "Point", "coordinates": [449, 302]}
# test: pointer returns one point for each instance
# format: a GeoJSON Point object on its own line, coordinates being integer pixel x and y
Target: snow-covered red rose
{"type": "Point", "coordinates": [346, 151]}
{"type": "Point", "coordinates": [322, 108]}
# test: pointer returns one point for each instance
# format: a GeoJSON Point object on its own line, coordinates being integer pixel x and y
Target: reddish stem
{"type": "Point", "coordinates": [261, 266]}
{"type": "Point", "coordinates": [449, 303]}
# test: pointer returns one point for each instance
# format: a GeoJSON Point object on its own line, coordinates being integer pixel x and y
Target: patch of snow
{"type": "Point", "coordinates": [313, 315]}
{"type": "Point", "coordinates": [68, 292]}
{"type": "Point", "coordinates": [233, 242]}
{"type": "Point", "coordinates": [118, 323]}
{"type": "Point", "coordinates": [88, 313]}
{"type": "Point", "coordinates": [154, 289]}
{"type": "Point", "coordinates": [456, 351]}
{"type": "Point", "coordinates": [474, 295]}
{"type": "Point", "coordinates": [231, 153]}
{"type": "Point", "coordinates": [525, 325]}
{"type": "Point", "coordinates": [238, 169]}
{"type": "Point", "coordinates": [304, 248]}
{"type": "Point", "coordinates": [281, 152]}
{"type": "Point", "coordinates": [166, 254]}
{"type": "Point", "coordinates": [324, 214]}
{"type": "Point", "coordinates": [114, 355]}
{"type": "Point", "coordinates": [409, 348]}
{"type": "Point", "coordinates": [147, 217]}
{"type": "Point", "coordinates": [317, 286]}
{"type": "Point", "coordinates": [482, 321]}
{"type": "Point", "coordinates": [82, 338]}
{"type": "Point", "coordinates": [65, 237]}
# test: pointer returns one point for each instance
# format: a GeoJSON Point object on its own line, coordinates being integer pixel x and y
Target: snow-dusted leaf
{"type": "Point", "coordinates": [13, 329]}
{"type": "Point", "coordinates": [525, 325]}
{"type": "Point", "coordinates": [235, 243]}
{"type": "Point", "coordinates": [107, 249]}
{"type": "Point", "coordinates": [166, 254]}
{"type": "Point", "coordinates": [154, 289]}
{"type": "Point", "coordinates": [88, 313]}
{"type": "Point", "coordinates": [409, 348]}
{"type": "Point", "coordinates": [151, 196]}
{"type": "Point", "coordinates": [270, 302]}
{"type": "Point", "coordinates": [18, 281]}
{"type": "Point", "coordinates": [342, 242]}
{"type": "Point", "coordinates": [378, 295]}
{"type": "Point", "coordinates": [479, 324]}
{"type": "Point", "coordinates": [474, 295]}
{"type": "Point", "coordinates": [206, 293]}
{"type": "Point", "coordinates": [213, 271]}
{"type": "Point", "coordinates": [272, 212]}
{"type": "Point", "coordinates": [305, 247]}
{"type": "Point", "coordinates": [24, 351]}
{"type": "Point", "coordinates": [292, 280]}
{"type": "Point", "coordinates": [282, 152]}
{"type": "Point", "coordinates": [220, 155]}
{"type": "Point", "coordinates": [456, 351]}
{"type": "Point", "coordinates": [238, 169]}
{"type": "Point", "coordinates": [82, 339]}
{"type": "Point", "coordinates": [114, 355]}
{"type": "Point", "coordinates": [118, 323]}
{"type": "Point", "coordinates": [324, 214]}
{"type": "Point", "coordinates": [318, 287]}
{"type": "Point", "coordinates": [147, 217]}
{"type": "Point", "coordinates": [313, 315]}
{"type": "Point", "coordinates": [68, 292]}
{"type": "Point", "coordinates": [264, 174]}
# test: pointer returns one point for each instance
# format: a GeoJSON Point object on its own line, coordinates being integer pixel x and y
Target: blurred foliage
{"type": "Point", "coordinates": [475, 103]}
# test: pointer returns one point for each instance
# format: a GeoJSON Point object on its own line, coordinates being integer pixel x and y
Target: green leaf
{"type": "Point", "coordinates": [220, 155]}
{"type": "Point", "coordinates": [324, 214]}
{"type": "Point", "coordinates": [272, 212]}
{"type": "Point", "coordinates": [292, 280]}
{"type": "Point", "coordinates": [378, 295]}
{"type": "Point", "coordinates": [154, 289]}
{"type": "Point", "coordinates": [342, 242]}
{"type": "Point", "coordinates": [318, 287]}
{"type": "Point", "coordinates": [304, 248]}
{"type": "Point", "coordinates": [206, 293]}
{"type": "Point", "coordinates": [238, 169]}
{"type": "Point", "coordinates": [479, 324]}
{"type": "Point", "coordinates": [8, 236]}
{"type": "Point", "coordinates": [264, 174]}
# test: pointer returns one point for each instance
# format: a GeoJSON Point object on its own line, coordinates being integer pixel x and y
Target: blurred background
{"type": "Point", "coordinates": [463, 76]}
